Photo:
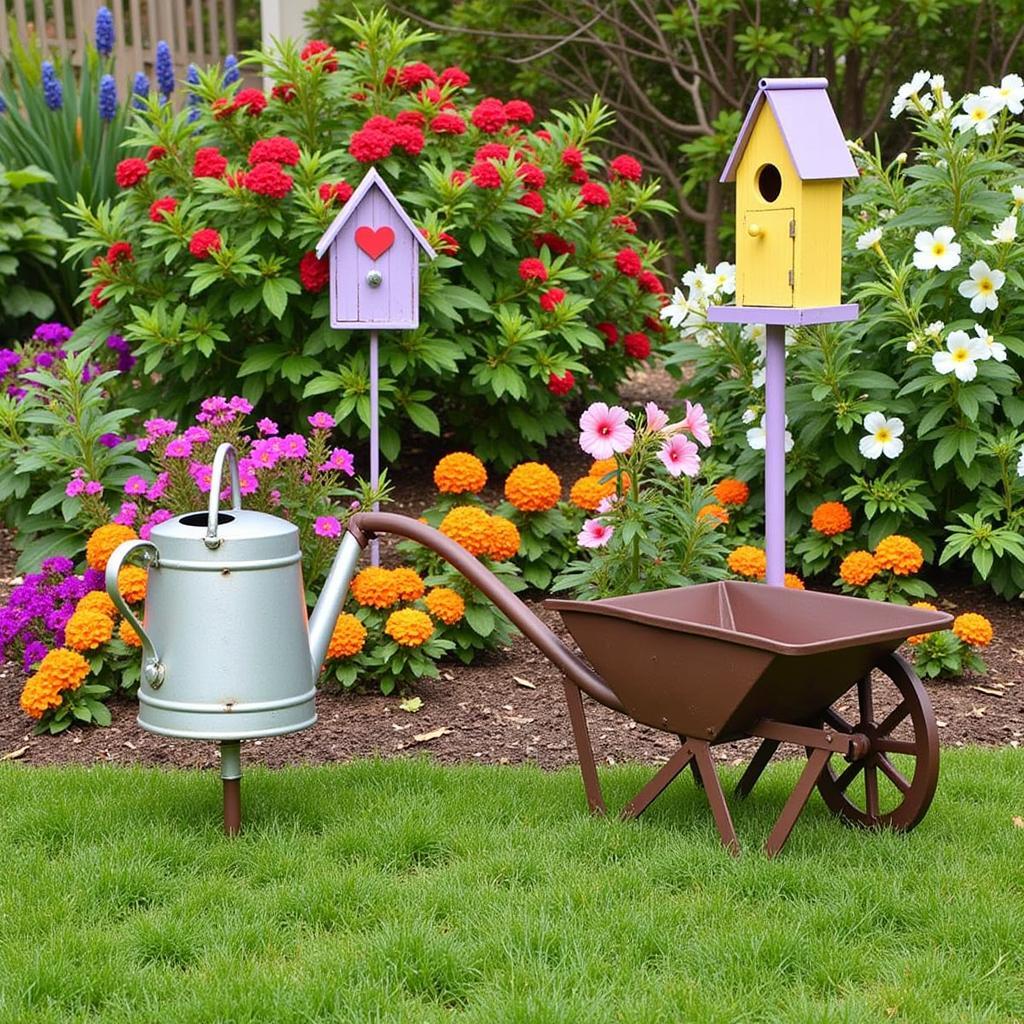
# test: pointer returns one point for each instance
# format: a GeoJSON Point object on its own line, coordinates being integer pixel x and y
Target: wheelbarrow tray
{"type": "Point", "coordinates": [711, 661]}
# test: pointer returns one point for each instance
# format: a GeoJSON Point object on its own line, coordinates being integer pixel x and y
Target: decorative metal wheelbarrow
{"type": "Point", "coordinates": [725, 661]}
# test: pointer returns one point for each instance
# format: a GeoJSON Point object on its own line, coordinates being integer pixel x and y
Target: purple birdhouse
{"type": "Point", "coordinates": [375, 247]}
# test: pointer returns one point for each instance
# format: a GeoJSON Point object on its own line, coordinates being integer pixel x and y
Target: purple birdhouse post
{"type": "Point", "coordinates": [375, 280]}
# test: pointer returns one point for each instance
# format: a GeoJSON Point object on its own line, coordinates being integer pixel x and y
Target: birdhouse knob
{"type": "Point", "coordinates": [755, 230]}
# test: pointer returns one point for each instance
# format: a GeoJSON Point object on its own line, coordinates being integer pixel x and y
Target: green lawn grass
{"type": "Point", "coordinates": [405, 891]}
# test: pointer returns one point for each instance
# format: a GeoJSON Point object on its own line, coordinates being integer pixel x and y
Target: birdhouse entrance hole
{"type": "Point", "coordinates": [769, 182]}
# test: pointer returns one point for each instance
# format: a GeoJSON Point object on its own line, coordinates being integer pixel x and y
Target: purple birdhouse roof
{"type": "Point", "coordinates": [808, 125]}
{"type": "Point", "coordinates": [370, 181]}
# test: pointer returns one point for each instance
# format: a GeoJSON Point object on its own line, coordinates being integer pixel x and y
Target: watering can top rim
{"type": "Point", "coordinates": [243, 535]}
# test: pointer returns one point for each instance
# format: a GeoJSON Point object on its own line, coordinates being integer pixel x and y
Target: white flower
{"type": "Point", "coordinates": [725, 278]}
{"type": "Point", "coordinates": [694, 279]}
{"type": "Point", "coordinates": [978, 112]}
{"type": "Point", "coordinates": [676, 311]}
{"type": "Point", "coordinates": [755, 333]}
{"type": "Point", "coordinates": [1018, 195]}
{"type": "Point", "coordinates": [918, 82]}
{"type": "Point", "coordinates": [749, 415]}
{"type": "Point", "coordinates": [943, 103]}
{"type": "Point", "coordinates": [936, 249]}
{"type": "Point", "coordinates": [993, 349]}
{"type": "Point", "coordinates": [886, 214]}
{"type": "Point", "coordinates": [1020, 465]}
{"type": "Point", "coordinates": [906, 90]}
{"type": "Point", "coordinates": [911, 345]}
{"type": "Point", "coordinates": [757, 437]}
{"type": "Point", "coordinates": [937, 82]}
{"type": "Point", "coordinates": [934, 330]}
{"type": "Point", "coordinates": [868, 239]}
{"type": "Point", "coordinates": [882, 437]}
{"type": "Point", "coordinates": [1006, 230]}
{"type": "Point", "coordinates": [981, 287]}
{"type": "Point", "coordinates": [758, 377]}
{"type": "Point", "coordinates": [1009, 93]}
{"type": "Point", "coordinates": [961, 356]}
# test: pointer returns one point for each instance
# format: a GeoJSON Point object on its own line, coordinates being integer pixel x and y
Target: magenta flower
{"type": "Point", "coordinates": [126, 516]}
{"type": "Point", "coordinates": [595, 534]}
{"type": "Point", "coordinates": [265, 453]}
{"type": "Point", "coordinates": [680, 456]}
{"type": "Point", "coordinates": [327, 526]}
{"type": "Point", "coordinates": [156, 492]}
{"type": "Point", "coordinates": [136, 485]}
{"type": "Point", "coordinates": [94, 487]}
{"type": "Point", "coordinates": [340, 460]}
{"type": "Point", "coordinates": [240, 405]}
{"type": "Point", "coordinates": [321, 421]}
{"type": "Point", "coordinates": [197, 435]}
{"type": "Point", "coordinates": [159, 428]}
{"type": "Point", "coordinates": [656, 417]}
{"type": "Point", "coordinates": [161, 515]}
{"type": "Point", "coordinates": [75, 487]}
{"type": "Point", "coordinates": [293, 446]}
{"type": "Point", "coordinates": [266, 426]}
{"type": "Point", "coordinates": [179, 448]}
{"type": "Point", "coordinates": [696, 422]}
{"type": "Point", "coordinates": [202, 475]}
{"type": "Point", "coordinates": [604, 431]}
{"type": "Point", "coordinates": [275, 497]}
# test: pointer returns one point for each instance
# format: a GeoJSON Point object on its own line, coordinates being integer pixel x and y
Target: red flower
{"type": "Point", "coordinates": [628, 262]}
{"type": "Point", "coordinates": [492, 151]}
{"type": "Point", "coordinates": [370, 144]}
{"type": "Point", "coordinates": [221, 109]}
{"type": "Point", "coordinates": [209, 163]}
{"type": "Point", "coordinates": [489, 115]}
{"type": "Point", "coordinates": [459, 177]}
{"type": "Point", "coordinates": [485, 175]}
{"type": "Point", "coordinates": [610, 332]}
{"type": "Point", "coordinates": [380, 123]}
{"type": "Point", "coordinates": [532, 201]}
{"type": "Point", "coordinates": [555, 243]}
{"type": "Point", "coordinates": [156, 153]}
{"type": "Point", "coordinates": [130, 172]}
{"type": "Point", "coordinates": [593, 194]}
{"type": "Point", "coordinates": [625, 167]}
{"type": "Point", "coordinates": [390, 77]}
{"type": "Point", "coordinates": [653, 324]}
{"type": "Point", "coordinates": [120, 251]}
{"type": "Point", "coordinates": [519, 111]}
{"type": "Point", "coordinates": [626, 223]}
{"type": "Point", "coordinates": [408, 137]}
{"type": "Point", "coordinates": [561, 385]}
{"type": "Point", "coordinates": [413, 75]}
{"type": "Point", "coordinates": [235, 179]}
{"type": "Point", "coordinates": [571, 156]}
{"type": "Point", "coordinates": [447, 124]}
{"type": "Point", "coordinates": [96, 299]}
{"type": "Point", "coordinates": [532, 269]}
{"type": "Point", "coordinates": [544, 134]}
{"type": "Point", "coordinates": [453, 76]}
{"type": "Point", "coordinates": [531, 176]}
{"type": "Point", "coordinates": [203, 242]}
{"type": "Point", "coordinates": [579, 176]}
{"type": "Point", "coordinates": [446, 243]}
{"type": "Point", "coordinates": [637, 345]}
{"type": "Point", "coordinates": [649, 282]}
{"type": "Point", "coordinates": [159, 207]}
{"type": "Point", "coordinates": [278, 149]}
{"type": "Point", "coordinates": [431, 94]}
{"type": "Point", "coordinates": [551, 298]}
{"type": "Point", "coordinates": [314, 273]}
{"type": "Point", "coordinates": [318, 52]}
{"type": "Point", "coordinates": [359, 96]}
{"type": "Point", "coordinates": [268, 179]}
{"type": "Point", "coordinates": [340, 190]}
{"type": "Point", "coordinates": [285, 92]}
{"type": "Point", "coordinates": [413, 117]}
{"type": "Point", "coordinates": [252, 101]}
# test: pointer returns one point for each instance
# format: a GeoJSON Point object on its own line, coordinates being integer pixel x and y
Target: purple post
{"type": "Point", "coordinates": [374, 435]}
{"type": "Point", "coordinates": [775, 454]}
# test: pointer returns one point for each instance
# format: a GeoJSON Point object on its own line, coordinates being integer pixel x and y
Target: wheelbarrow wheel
{"type": "Point", "coordinates": [901, 767]}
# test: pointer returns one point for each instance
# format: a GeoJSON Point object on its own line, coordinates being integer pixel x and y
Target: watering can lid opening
{"type": "Point", "coordinates": [244, 536]}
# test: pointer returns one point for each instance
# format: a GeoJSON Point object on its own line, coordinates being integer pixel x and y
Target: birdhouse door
{"type": "Point", "coordinates": [767, 253]}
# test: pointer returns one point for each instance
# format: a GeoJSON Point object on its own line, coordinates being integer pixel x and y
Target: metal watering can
{"type": "Point", "coordinates": [227, 651]}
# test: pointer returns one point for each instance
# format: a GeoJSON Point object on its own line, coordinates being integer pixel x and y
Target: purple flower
{"type": "Point", "coordinates": [197, 435]}
{"type": "Point", "coordinates": [72, 589]}
{"type": "Point", "coordinates": [140, 89]}
{"type": "Point", "coordinates": [265, 426]}
{"type": "Point", "coordinates": [106, 102]}
{"type": "Point", "coordinates": [44, 360]}
{"type": "Point", "coordinates": [93, 579]}
{"type": "Point", "coordinates": [93, 487]}
{"type": "Point", "coordinates": [109, 440]}
{"type": "Point", "coordinates": [293, 446]}
{"type": "Point", "coordinates": [159, 428]}
{"type": "Point", "coordinates": [321, 421]}
{"type": "Point", "coordinates": [125, 361]}
{"type": "Point", "coordinates": [179, 448]}
{"type": "Point", "coordinates": [9, 359]}
{"type": "Point", "coordinates": [52, 333]}
{"type": "Point", "coordinates": [35, 651]}
{"type": "Point", "coordinates": [327, 526]}
{"type": "Point", "coordinates": [231, 72]}
{"type": "Point", "coordinates": [104, 31]}
{"type": "Point", "coordinates": [74, 488]}
{"type": "Point", "coordinates": [53, 91]}
{"type": "Point", "coordinates": [136, 485]}
{"type": "Point", "coordinates": [58, 564]}
{"type": "Point", "coordinates": [164, 68]}
{"type": "Point", "coordinates": [156, 492]}
{"type": "Point", "coordinates": [90, 371]}
{"type": "Point", "coordinates": [117, 343]}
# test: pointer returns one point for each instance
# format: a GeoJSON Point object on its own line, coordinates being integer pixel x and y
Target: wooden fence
{"type": "Point", "coordinates": [198, 31]}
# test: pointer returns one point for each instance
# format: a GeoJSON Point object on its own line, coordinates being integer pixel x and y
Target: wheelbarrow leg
{"type": "Point", "coordinates": [675, 764]}
{"type": "Point", "coordinates": [757, 765]}
{"type": "Point", "coordinates": [797, 799]}
{"type": "Point", "coordinates": [716, 798]}
{"type": "Point", "coordinates": [584, 751]}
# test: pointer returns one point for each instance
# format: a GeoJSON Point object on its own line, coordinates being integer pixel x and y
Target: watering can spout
{"type": "Point", "coordinates": [332, 597]}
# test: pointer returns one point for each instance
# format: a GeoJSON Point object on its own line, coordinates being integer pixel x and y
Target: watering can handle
{"type": "Point", "coordinates": [225, 451]}
{"type": "Point", "coordinates": [152, 667]}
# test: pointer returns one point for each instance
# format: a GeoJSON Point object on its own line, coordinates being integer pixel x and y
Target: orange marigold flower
{"type": "Point", "coordinates": [87, 630]}
{"type": "Point", "coordinates": [97, 601]}
{"type": "Point", "coordinates": [588, 492]}
{"type": "Point", "coordinates": [131, 582]}
{"type": "Point", "coordinates": [533, 487]}
{"type": "Point", "coordinates": [348, 637]}
{"type": "Point", "coordinates": [973, 629]}
{"type": "Point", "coordinates": [748, 561]}
{"type": "Point", "coordinates": [858, 568]}
{"type": "Point", "coordinates": [900, 554]}
{"type": "Point", "coordinates": [714, 512]}
{"type": "Point", "coordinates": [470, 527]}
{"type": "Point", "coordinates": [409, 627]}
{"type": "Point", "coordinates": [459, 473]}
{"type": "Point", "coordinates": [59, 670]}
{"type": "Point", "coordinates": [602, 467]}
{"type": "Point", "coordinates": [505, 539]}
{"type": "Point", "coordinates": [731, 491]}
{"type": "Point", "coordinates": [375, 587]}
{"type": "Point", "coordinates": [409, 583]}
{"type": "Point", "coordinates": [793, 581]}
{"type": "Point", "coordinates": [445, 604]}
{"type": "Point", "coordinates": [128, 635]}
{"type": "Point", "coordinates": [918, 637]}
{"type": "Point", "coordinates": [38, 697]}
{"type": "Point", "coordinates": [830, 518]}
{"type": "Point", "coordinates": [100, 545]}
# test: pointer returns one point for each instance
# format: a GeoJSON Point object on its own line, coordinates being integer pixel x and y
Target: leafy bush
{"type": "Point", "coordinates": [540, 289]}
{"type": "Point", "coordinates": [913, 414]}
{"type": "Point", "coordinates": [952, 652]}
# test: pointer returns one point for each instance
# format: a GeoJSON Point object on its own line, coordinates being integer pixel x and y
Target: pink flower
{"type": "Point", "coordinates": [293, 446]}
{"type": "Point", "coordinates": [126, 516]}
{"type": "Point", "coordinates": [340, 460]}
{"type": "Point", "coordinates": [159, 428]}
{"type": "Point", "coordinates": [604, 431]}
{"type": "Point", "coordinates": [179, 448]}
{"type": "Point", "coordinates": [197, 435]}
{"type": "Point", "coordinates": [327, 526]}
{"type": "Point", "coordinates": [161, 515]}
{"type": "Point", "coordinates": [656, 417]}
{"type": "Point", "coordinates": [201, 474]}
{"type": "Point", "coordinates": [266, 426]}
{"type": "Point", "coordinates": [321, 421]}
{"type": "Point", "coordinates": [74, 487]}
{"type": "Point", "coordinates": [680, 456]}
{"type": "Point", "coordinates": [136, 485]}
{"type": "Point", "coordinates": [594, 534]}
{"type": "Point", "coordinates": [93, 487]}
{"type": "Point", "coordinates": [275, 497]}
{"type": "Point", "coordinates": [696, 422]}
{"type": "Point", "coordinates": [265, 453]}
{"type": "Point", "coordinates": [247, 482]}
{"type": "Point", "coordinates": [156, 492]}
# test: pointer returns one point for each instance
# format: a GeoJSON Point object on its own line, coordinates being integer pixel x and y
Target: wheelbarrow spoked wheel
{"type": "Point", "coordinates": [892, 785]}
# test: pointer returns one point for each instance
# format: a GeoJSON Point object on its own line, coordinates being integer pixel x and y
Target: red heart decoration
{"type": "Point", "coordinates": [375, 243]}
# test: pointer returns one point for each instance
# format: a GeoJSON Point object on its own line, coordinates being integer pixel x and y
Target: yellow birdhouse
{"type": "Point", "coordinates": [788, 164]}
